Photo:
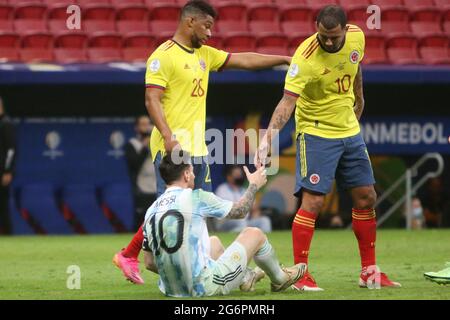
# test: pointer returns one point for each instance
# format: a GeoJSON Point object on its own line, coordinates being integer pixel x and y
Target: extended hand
{"type": "Point", "coordinates": [258, 177]}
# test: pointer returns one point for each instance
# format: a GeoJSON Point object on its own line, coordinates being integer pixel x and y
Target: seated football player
{"type": "Point", "coordinates": [190, 263]}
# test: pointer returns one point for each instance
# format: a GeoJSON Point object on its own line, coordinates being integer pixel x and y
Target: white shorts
{"type": "Point", "coordinates": [228, 271]}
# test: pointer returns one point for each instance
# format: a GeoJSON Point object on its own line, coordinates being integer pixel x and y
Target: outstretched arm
{"type": "Point", "coordinates": [243, 206]}
{"type": "Point", "coordinates": [280, 116]}
{"type": "Point", "coordinates": [359, 95]}
{"type": "Point", "coordinates": [255, 61]}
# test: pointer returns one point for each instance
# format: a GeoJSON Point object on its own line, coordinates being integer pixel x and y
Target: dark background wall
{"type": "Point", "coordinates": [223, 99]}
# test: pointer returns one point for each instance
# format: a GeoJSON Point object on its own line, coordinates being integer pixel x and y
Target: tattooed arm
{"type": "Point", "coordinates": [359, 96]}
{"type": "Point", "coordinates": [243, 206]}
{"type": "Point", "coordinates": [280, 116]}
{"type": "Point", "coordinates": [256, 179]}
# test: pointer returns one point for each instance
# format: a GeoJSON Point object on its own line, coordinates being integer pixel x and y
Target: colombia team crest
{"type": "Point", "coordinates": [354, 56]}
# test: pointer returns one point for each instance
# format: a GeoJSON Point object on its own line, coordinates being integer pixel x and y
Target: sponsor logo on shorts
{"type": "Point", "coordinates": [314, 178]}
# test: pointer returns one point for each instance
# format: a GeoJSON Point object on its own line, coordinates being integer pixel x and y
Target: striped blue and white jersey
{"type": "Point", "coordinates": [175, 232]}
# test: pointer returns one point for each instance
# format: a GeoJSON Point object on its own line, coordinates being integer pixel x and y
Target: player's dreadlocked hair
{"type": "Point", "coordinates": [198, 7]}
{"type": "Point", "coordinates": [173, 165]}
{"type": "Point", "coordinates": [331, 16]}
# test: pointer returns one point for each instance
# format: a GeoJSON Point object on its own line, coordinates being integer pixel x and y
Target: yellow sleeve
{"type": "Point", "coordinates": [298, 75]}
{"type": "Point", "coordinates": [217, 59]}
{"type": "Point", "coordinates": [159, 69]}
{"type": "Point", "coordinates": [363, 45]}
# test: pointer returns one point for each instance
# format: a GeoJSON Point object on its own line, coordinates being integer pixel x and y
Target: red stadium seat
{"type": "Point", "coordinates": [272, 41]}
{"type": "Point", "coordinates": [393, 28]}
{"type": "Point", "coordinates": [263, 12]}
{"type": "Point", "coordinates": [165, 12]}
{"type": "Point", "coordinates": [416, 4]}
{"type": "Point", "coordinates": [28, 25]}
{"type": "Point", "coordinates": [439, 41]}
{"type": "Point", "coordinates": [257, 2]}
{"type": "Point", "coordinates": [375, 41]}
{"type": "Point", "coordinates": [6, 12]}
{"type": "Point", "coordinates": [423, 28]}
{"type": "Point", "coordinates": [239, 43]}
{"type": "Point", "coordinates": [129, 27]}
{"type": "Point", "coordinates": [273, 50]}
{"type": "Point", "coordinates": [9, 40]}
{"type": "Point", "coordinates": [37, 40]}
{"type": "Point", "coordinates": [71, 39]}
{"type": "Point", "coordinates": [6, 26]}
{"type": "Point", "coordinates": [9, 55]}
{"type": "Point", "coordinates": [446, 26]}
{"type": "Point", "coordinates": [346, 4]}
{"type": "Point", "coordinates": [385, 4]}
{"type": "Point", "coordinates": [133, 12]}
{"type": "Point", "coordinates": [434, 55]}
{"type": "Point", "coordinates": [375, 55]}
{"type": "Point", "coordinates": [34, 55]}
{"type": "Point", "coordinates": [396, 14]}
{"type": "Point", "coordinates": [59, 2]}
{"type": "Point", "coordinates": [446, 15]}
{"type": "Point", "coordinates": [105, 40]}
{"type": "Point", "coordinates": [98, 12]}
{"type": "Point", "coordinates": [296, 13]}
{"type": "Point", "coordinates": [88, 2]}
{"type": "Point", "coordinates": [298, 28]}
{"type": "Point", "coordinates": [104, 55]}
{"type": "Point", "coordinates": [30, 11]}
{"type": "Point", "coordinates": [281, 3]}
{"type": "Point", "coordinates": [403, 41]}
{"type": "Point", "coordinates": [262, 27]}
{"type": "Point", "coordinates": [442, 3]}
{"type": "Point", "coordinates": [118, 3]}
{"type": "Point", "coordinates": [163, 29]}
{"type": "Point", "coordinates": [136, 54]}
{"type": "Point", "coordinates": [430, 14]}
{"type": "Point", "coordinates": [70, 55]}
{"type": "Point", "coordinates": [57, 12]}
{"type": "Point", "coordinates": [232, 11]}
{"type": "Point", "coordinates": [151, 3]}
{"type": "Point", "coordinates": [215, 41]}
{"type": "Point", "coordinates": [357, 13]}
{"type": "Point", "coordinates": [227, 26]}
{"type": "Point", "coordinates": [403, 56]}
{"type": "Point", "coordinates": [91, 26]}
{"type": "Point", "coordinates": [295, 42]}
{"type": "Point", "coordinates": [319, 4]}
{"type": "Point", "coordinates": [139, 41]}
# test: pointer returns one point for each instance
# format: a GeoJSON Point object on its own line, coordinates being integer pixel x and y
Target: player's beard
{"type": "Point", "coordinates": [195, 40]}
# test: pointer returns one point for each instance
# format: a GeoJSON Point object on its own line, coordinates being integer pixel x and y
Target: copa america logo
{"type": "Point", "coordinates": [117, 141]}
{"type": "Point", "coordinates": [53, 140]}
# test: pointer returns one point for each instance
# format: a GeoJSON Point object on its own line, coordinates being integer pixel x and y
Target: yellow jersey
{"type": "Point", "coordinates": [183, 74]}
{"type": "Point", "coordinates": [323, 85]}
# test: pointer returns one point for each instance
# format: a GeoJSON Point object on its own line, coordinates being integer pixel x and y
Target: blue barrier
{"type": "Point", "coordinates": [133, 74]}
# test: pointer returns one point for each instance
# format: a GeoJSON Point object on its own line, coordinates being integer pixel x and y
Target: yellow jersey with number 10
{"type": "Point", "coordinates": [183, 74]}
{"type": "Point", "coordinates": [323, 84]}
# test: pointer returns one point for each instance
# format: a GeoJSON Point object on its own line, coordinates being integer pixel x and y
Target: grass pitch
{"type": "Point", "coordinates": [36, 267]}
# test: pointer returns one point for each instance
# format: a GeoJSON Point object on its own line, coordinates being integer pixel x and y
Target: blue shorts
{"type": "Point", "coordinates": [201, 171]}
{"type": "Point", "coordinates": [321, 160]}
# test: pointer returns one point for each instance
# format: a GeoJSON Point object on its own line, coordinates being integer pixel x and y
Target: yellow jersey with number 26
{"type": "Point", "coordinates": [183, 74]}
{"type": "Point", "coordinates": [323, 84]}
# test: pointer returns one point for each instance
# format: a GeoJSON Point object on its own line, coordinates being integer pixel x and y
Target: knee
{"type": "Point", "coordinates": [366, 199]}
{"type": "Point", "coordinates": [254, 233]}
{"type": "Point", "coordinates": [313, 204]}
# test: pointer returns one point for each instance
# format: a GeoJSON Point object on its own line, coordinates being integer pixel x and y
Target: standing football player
{"type": "Point", "coordinates": [176, 88]}
{"type": "Point", "coordinates": [324, 86]}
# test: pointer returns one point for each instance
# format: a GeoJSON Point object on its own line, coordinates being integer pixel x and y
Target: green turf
{"type": "Point", "coordinates": [35, 267]}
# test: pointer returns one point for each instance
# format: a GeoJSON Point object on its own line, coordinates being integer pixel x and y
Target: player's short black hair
{"type": "Point", "coordinates": [198, 7]}
{"type": "Point", "coordinates": [331, 16]}
{"type": "Point", "coordinates": [173, 165]}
